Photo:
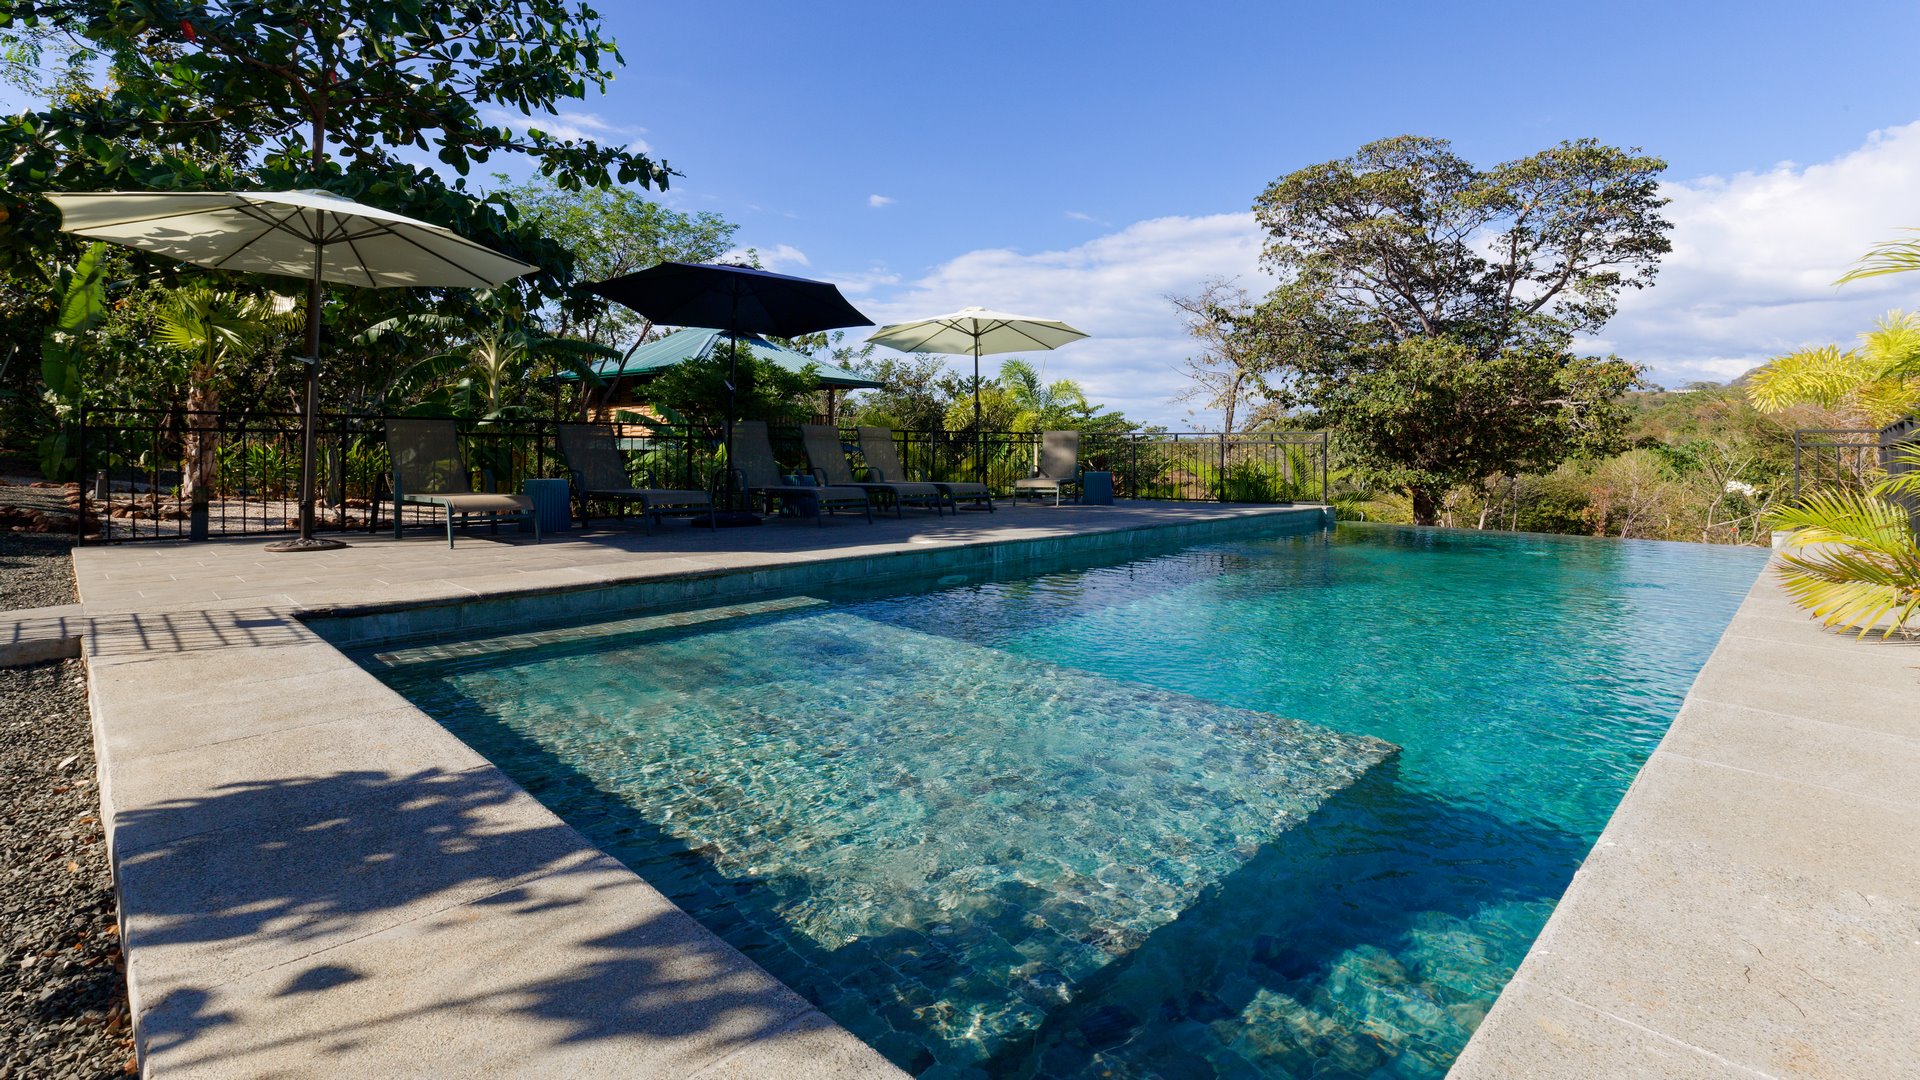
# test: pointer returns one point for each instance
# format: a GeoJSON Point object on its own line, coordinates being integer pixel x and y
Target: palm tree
{"type": "Point", "coordinates": [210, 326]}
{"type": "Point", "coordinates": [1852, 559]}
{"type": "Point", "coordinates": [1872, 385]}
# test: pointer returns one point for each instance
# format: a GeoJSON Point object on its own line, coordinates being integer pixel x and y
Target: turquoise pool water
{"type": "Point", "coordinates": [1287, 807]}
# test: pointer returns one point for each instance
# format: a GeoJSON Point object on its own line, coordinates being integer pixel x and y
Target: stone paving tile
{"type": "Point", "coordinates": [1771, 823]}
{"type": "Point", "coordinates": [1837, 756]}
{"type": "Point", "coordinates": [1540, 1035]}
{"type": "Point", "coordinates": [212, 698]}
{"type": "Point", "coordinates": [1779, 972]}
{"type": "Point", "coordinates": [181, 793]}
{"type": "Point", "coordinates": [362, 851]}
{"type": "Point", "coordinates": [1756, 896]}
{"type": "Point", "coordinates": [586, 972]}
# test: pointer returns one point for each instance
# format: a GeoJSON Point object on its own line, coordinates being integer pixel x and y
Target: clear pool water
{"type": "Point", "coordinates": [1284, 807]}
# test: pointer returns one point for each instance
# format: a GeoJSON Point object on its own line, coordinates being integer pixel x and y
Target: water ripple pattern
{"type": "Point", "coordinates": [1137, 820]}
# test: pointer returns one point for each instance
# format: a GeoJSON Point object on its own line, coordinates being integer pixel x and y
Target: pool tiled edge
{"type": "Point", "coordinates": [1751, 908]}
{"type": "Point", "coordinates": [362, 624]}
{"type": "Point", "coordinates": [317, 879]}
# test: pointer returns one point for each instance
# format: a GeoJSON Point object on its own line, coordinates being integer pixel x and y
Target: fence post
{"type": "Point", "coordinates": [80, 473]}
{"type": "Point", "coordinates": [1324, 454]}
{"type": "Point", "coordinates": [1796, 466]}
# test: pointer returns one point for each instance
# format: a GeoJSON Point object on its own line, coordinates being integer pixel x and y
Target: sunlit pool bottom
{"type": "Point", "coordinates": [1144, 819]}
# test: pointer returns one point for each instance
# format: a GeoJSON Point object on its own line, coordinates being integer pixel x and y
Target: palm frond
{"type": "Point", "coordinates": [1826, 376]}
{"type": "Point", "coordinates": [1851, 561]}
{"type": "Point", "coordinates": [1886, 257]}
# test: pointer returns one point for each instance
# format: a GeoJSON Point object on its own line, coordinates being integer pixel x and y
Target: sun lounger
{"type": "Point", "coordinates": [759, 476]}
{"type": "Point", "coordinates": [883, 464]}
{"type": "Point", "coordinates": [599, 472]}
{"type": "Point", "coordinates": [1059, 467]}
{"type": "Point", "coordinates": [429, 471]}
{"type": "Point", "coordinates": [829, 461]}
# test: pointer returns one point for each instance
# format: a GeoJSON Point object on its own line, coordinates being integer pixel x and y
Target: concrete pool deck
{"type": "Point", "coordinates": [317, 879]}
{"type": "Point", "coordinates": [1753, 907]}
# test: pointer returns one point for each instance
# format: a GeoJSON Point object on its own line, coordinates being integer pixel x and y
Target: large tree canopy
{"type": "Point", "coordinates": [1427, 308]}
{"type": "Point", "coordinates": [321, 93]}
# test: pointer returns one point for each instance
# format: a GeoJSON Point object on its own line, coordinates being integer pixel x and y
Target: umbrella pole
{"type": "Point", "coordinates": [307, 541]}
{"type": "Point", "coordinates": [979, 437]}
{"type": "Point", "coordinates": [733, 377]}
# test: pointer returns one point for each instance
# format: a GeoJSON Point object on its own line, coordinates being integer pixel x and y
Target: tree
{"type": "Point", "coordinates": [1225, 372]}
{"type": "Point", "coordinates": [915, 392]}
{"type": "Point", "coordinates": [273, 94]}
{"type": "Point", "coordinates": [1427, 308]}
{"type": "Point", "coordinates": [209, 327]}
{"type": "Point", "coordinates": [694, 392]}
{"type": "Point", "coordinates": [613, 231]}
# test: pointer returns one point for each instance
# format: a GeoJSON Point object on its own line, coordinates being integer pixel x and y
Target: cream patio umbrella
{"type": "Point", "coordinates": [303, 234]}
{"type": "Point", "coordinates": [981, 332]}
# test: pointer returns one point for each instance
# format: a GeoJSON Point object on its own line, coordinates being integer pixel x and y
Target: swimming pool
{"type": "Point", "coordinates": [1287, 806]}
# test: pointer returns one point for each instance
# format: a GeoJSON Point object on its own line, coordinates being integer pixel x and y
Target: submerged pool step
{"type": "Point", "coordinates": [574, 635]}
{"type": "Point", "coordinates": [953, 835]}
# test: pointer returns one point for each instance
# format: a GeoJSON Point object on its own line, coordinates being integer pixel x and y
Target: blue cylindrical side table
{"type": "Point", "coordinates": [551, 504]}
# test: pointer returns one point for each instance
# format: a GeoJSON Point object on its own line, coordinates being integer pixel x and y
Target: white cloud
{"type": "Point", "coordinates": [877, 201]}
{"type": "Point", "coordinates": [572, 125]}
{"type": "Point", "coordinates": [1755, 256]}
{"type": "Point", "coordinates": [1750, 276]}
{"type": "Point", "coordinates": [1078, 215]}
{"type": "Point", "coordinates": [1113, 287]}
{"type": "Point", "coordinates": [773, 258]}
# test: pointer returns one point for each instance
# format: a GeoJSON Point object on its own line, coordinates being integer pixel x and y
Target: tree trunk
{"type": "Point", "coordinates": [200, 441]}
{"type": "Point", "coordinates": [1426, 506]}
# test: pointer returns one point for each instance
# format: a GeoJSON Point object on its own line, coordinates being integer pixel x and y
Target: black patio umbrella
{"type": "Point", "coordinates": [737, 299]}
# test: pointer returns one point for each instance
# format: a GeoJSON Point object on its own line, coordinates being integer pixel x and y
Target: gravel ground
{"type": "Point", "coordinates": [34, 568]}
{"type": "Point", "coordinates": [63, 992]}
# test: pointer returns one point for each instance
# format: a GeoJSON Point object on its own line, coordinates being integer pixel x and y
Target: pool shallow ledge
{"type": "Point", "coordinates": [315, 878]}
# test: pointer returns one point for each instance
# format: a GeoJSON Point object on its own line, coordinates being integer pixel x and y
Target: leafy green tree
{"type": "Point", "coordinates": [273, 94]}
{"type": "Point", "coordinates": [1427, 308]}
{"type": "Point", "coordinates": [613, 231]}
{"type": "Point", "coordinates": [915, 392]}
{"type": "Point", "coordinates": [694, 393]}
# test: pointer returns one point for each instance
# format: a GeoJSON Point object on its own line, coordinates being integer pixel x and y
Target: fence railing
{"type": "Point", "coordinates": [1852, 459]}
{"type": "Point", "coordinates": [153, 474]}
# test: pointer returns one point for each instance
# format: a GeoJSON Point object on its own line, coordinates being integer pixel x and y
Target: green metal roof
{"type": "Point", "coordinates": [693, 343]}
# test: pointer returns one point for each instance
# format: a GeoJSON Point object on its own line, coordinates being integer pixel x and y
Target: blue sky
{"type": "Point", "coordinates": [1082, 161]}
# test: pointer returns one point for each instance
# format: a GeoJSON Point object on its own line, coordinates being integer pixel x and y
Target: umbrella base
{"type": "Point", "coordinates": [728, 519]}
{"type": "Point", "coordinates": [313, 543]}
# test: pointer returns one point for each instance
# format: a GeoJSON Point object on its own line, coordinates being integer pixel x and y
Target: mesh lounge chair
{"type": "Point", "coordinates": [759, 475]}
{"type": "Point", "coordinates": [829, 463]}
{"type": "Point", "coordinates": [883, 464]}
{"type": "Point", "coordinates": [1059, 467]}
{"type": "Point", "coordinates": [429, 471]}
{"type": "Point", "coordinates": [599, 472]}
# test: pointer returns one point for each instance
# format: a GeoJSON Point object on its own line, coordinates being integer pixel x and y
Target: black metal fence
{"type": "Point", "coordinates": [1852, 459]}
{"type": "Point", "coordinates": [153, 474]}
